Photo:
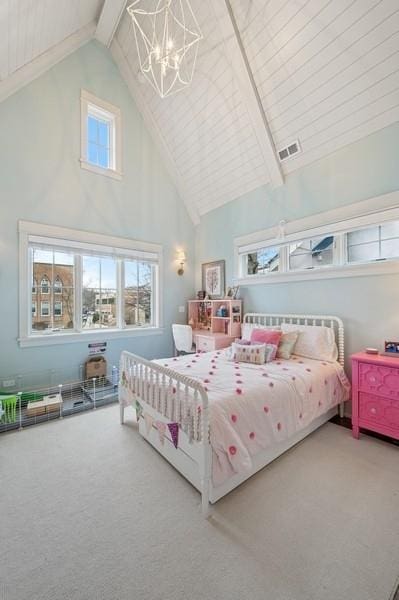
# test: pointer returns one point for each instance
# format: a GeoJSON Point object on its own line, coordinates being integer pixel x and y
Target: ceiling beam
{"type": "Point", "coordinates": [239, 61]}
{"type": "Point", "coordinates": [152, 128]}
{"type": "Point", "coordinates": [109, 20]}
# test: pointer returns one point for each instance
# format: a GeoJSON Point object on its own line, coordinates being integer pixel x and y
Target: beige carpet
{"type": "Point", "coordinates": [89, 511]}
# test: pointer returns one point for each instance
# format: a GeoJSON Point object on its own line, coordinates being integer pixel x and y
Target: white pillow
{"type": "Point", "coordinates": [314, 341]}
{"type": "Point", "coordinates": [247, 328]}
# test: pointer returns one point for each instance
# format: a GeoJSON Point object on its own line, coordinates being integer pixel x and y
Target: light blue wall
{"type": "Point", "coordinates": [368, 305]}
{"type": "Point", "coordinates": [41, 180]}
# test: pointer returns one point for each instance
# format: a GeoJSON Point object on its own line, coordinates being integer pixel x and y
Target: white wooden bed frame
{"type": "Point", "coordinates": [193, 457]}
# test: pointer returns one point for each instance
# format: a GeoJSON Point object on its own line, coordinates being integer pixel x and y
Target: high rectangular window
{"type": "Point", "coordinates": [100, 136]}
{"type": "Point", "coordinates": [86, 287]}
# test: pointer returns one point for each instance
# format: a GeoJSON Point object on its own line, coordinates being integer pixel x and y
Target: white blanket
{"type": "Point", "coordinates": [252, 407]}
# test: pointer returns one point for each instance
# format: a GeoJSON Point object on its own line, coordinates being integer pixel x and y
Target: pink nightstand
{"type": "Point", "coordinates": [375, 394]}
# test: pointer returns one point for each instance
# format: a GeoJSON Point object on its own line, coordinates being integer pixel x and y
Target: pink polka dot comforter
{"type": "Point", "coordinates": [253, 407]}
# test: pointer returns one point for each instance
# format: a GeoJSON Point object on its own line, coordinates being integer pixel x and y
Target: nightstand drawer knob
{"type": "Point", "coordinates": [373, 411]}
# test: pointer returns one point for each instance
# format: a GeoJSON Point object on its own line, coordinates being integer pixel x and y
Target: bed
{"type": "Point", "coordinates": [218, 421]}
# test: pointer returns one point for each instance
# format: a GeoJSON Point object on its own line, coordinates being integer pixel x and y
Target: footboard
{"type": "Point", "coordinates": [171, 397]}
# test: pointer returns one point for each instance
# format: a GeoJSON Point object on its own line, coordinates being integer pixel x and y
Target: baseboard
{"type": "Point", "coordinates": [347, 423]}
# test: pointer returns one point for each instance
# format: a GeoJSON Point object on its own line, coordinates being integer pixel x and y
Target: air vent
{"type": "Point", "coordinates": [289, 151]}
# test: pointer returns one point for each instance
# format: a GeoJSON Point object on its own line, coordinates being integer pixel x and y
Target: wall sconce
{"type": "Point", "coordinates": [181, 257]}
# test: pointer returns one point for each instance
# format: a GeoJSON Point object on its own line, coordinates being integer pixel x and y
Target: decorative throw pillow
{"type": "Point", "coordinates": [266, 336]}
{"type": "Point", "coordinates": [255, 353]}
{"type": "Point", "coordinates": [287, 344]}
{"type": "Point", "coordinates": [314, 341]}
{"type": "Point", "coordinates": [270, 352]}
{"type": "Point", "coordinates": [247, 328]}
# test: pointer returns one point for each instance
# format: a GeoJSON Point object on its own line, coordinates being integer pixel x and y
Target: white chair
{"type": "Point", "coordinates": [183, 339]}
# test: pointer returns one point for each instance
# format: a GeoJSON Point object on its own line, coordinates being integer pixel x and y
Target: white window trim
{"type": "Point", "coordinates": [334, 222]}
{"type": "Point", "coordinates": [27, 231]}
{"type": "Point", "coordinates": [113, 114]}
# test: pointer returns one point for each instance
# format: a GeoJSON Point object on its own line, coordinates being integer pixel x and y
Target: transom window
{"type": "Point", "coordinates": [373, 243]}
{"type": "Point", "coordinates": [312, 253]}
{"type": "Point", "coordinates": [90, 287]}
{"type": "Point", "coordinates": [100, 136]}
{"type": "Point", "coordinates": [337, 248]}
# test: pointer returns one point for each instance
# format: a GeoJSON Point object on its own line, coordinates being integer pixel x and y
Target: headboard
{"type": "Point", "coordinates": [273, 319]}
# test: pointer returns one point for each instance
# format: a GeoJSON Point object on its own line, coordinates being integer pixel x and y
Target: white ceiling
{"type": "Point", "coordinates": [324, 72]}
{"type": "Point", "coordinates": [28, 28]}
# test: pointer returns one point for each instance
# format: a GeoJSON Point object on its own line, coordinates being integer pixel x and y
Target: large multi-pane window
{"type": "Point", "coordinates": [379, 242]}
{"type": "Point", "coordinates": [85, 287]}
{"type": "Point", "coordinates": [91, 282]}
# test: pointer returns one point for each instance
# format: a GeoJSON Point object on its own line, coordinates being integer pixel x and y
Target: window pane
{"type": "Point", "coordinates": [390, 248]}
{"type": "Point", "coordinates": [54, 273]}
{"type": "Point", "coordinates": [363, 235]}
{"type": "Point", "coordinates": [363, 252]}
{"type": "Point", "coordinates": [384, 244]}
{"type": "Point", "coordinates": [92, 154]}
{"type": "Point", "coordinates": [103, 157]}
{"type": "Point", "coordinates": [390, 230]}
{"type": "Point", "coordinates": [130, 299]}
{"type": "Point", "coordinates": [107, 308]}
{"type": "Point", "coordinates": [67, 306]}
{"type": "Point", "coordinates": [263, 261]}
{"type": "Point", "coordinates": [92, 129]}
{"type": "Point", "coordinates": [145, 292]}
{"type": "Point", "coordinates": [90, 292]}
{"type": "Point", "coordinates": [99, 297]}
{"type": "Point", "coordinates": [138, 293]}
{"type": "Point", "coordinates": [103, 133]}
{"type": "Point", "coordinates": [310, 254]}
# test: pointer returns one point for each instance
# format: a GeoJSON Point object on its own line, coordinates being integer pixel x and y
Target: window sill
{"type": "Point", "coordinates": [51, 339]}
{"type": "Point", "coordinates": [114, 174]}
{"type": "Point", "coordinates": [333, 272]}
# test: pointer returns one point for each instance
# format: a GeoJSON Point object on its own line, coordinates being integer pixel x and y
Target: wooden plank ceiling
{"type": "Point", "coordinates": [323, 72]}
{"type": "Point", "coordinates": [326, 73]}
{"type": "Point", "coordinates": [29, 28]}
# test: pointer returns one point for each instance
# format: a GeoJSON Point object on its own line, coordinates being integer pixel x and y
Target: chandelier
{"type": "Point", "coordinates": [167, 36]}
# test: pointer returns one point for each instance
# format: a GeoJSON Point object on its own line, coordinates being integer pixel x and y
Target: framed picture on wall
{"type": "Point", "coordinates": [213, 278]}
